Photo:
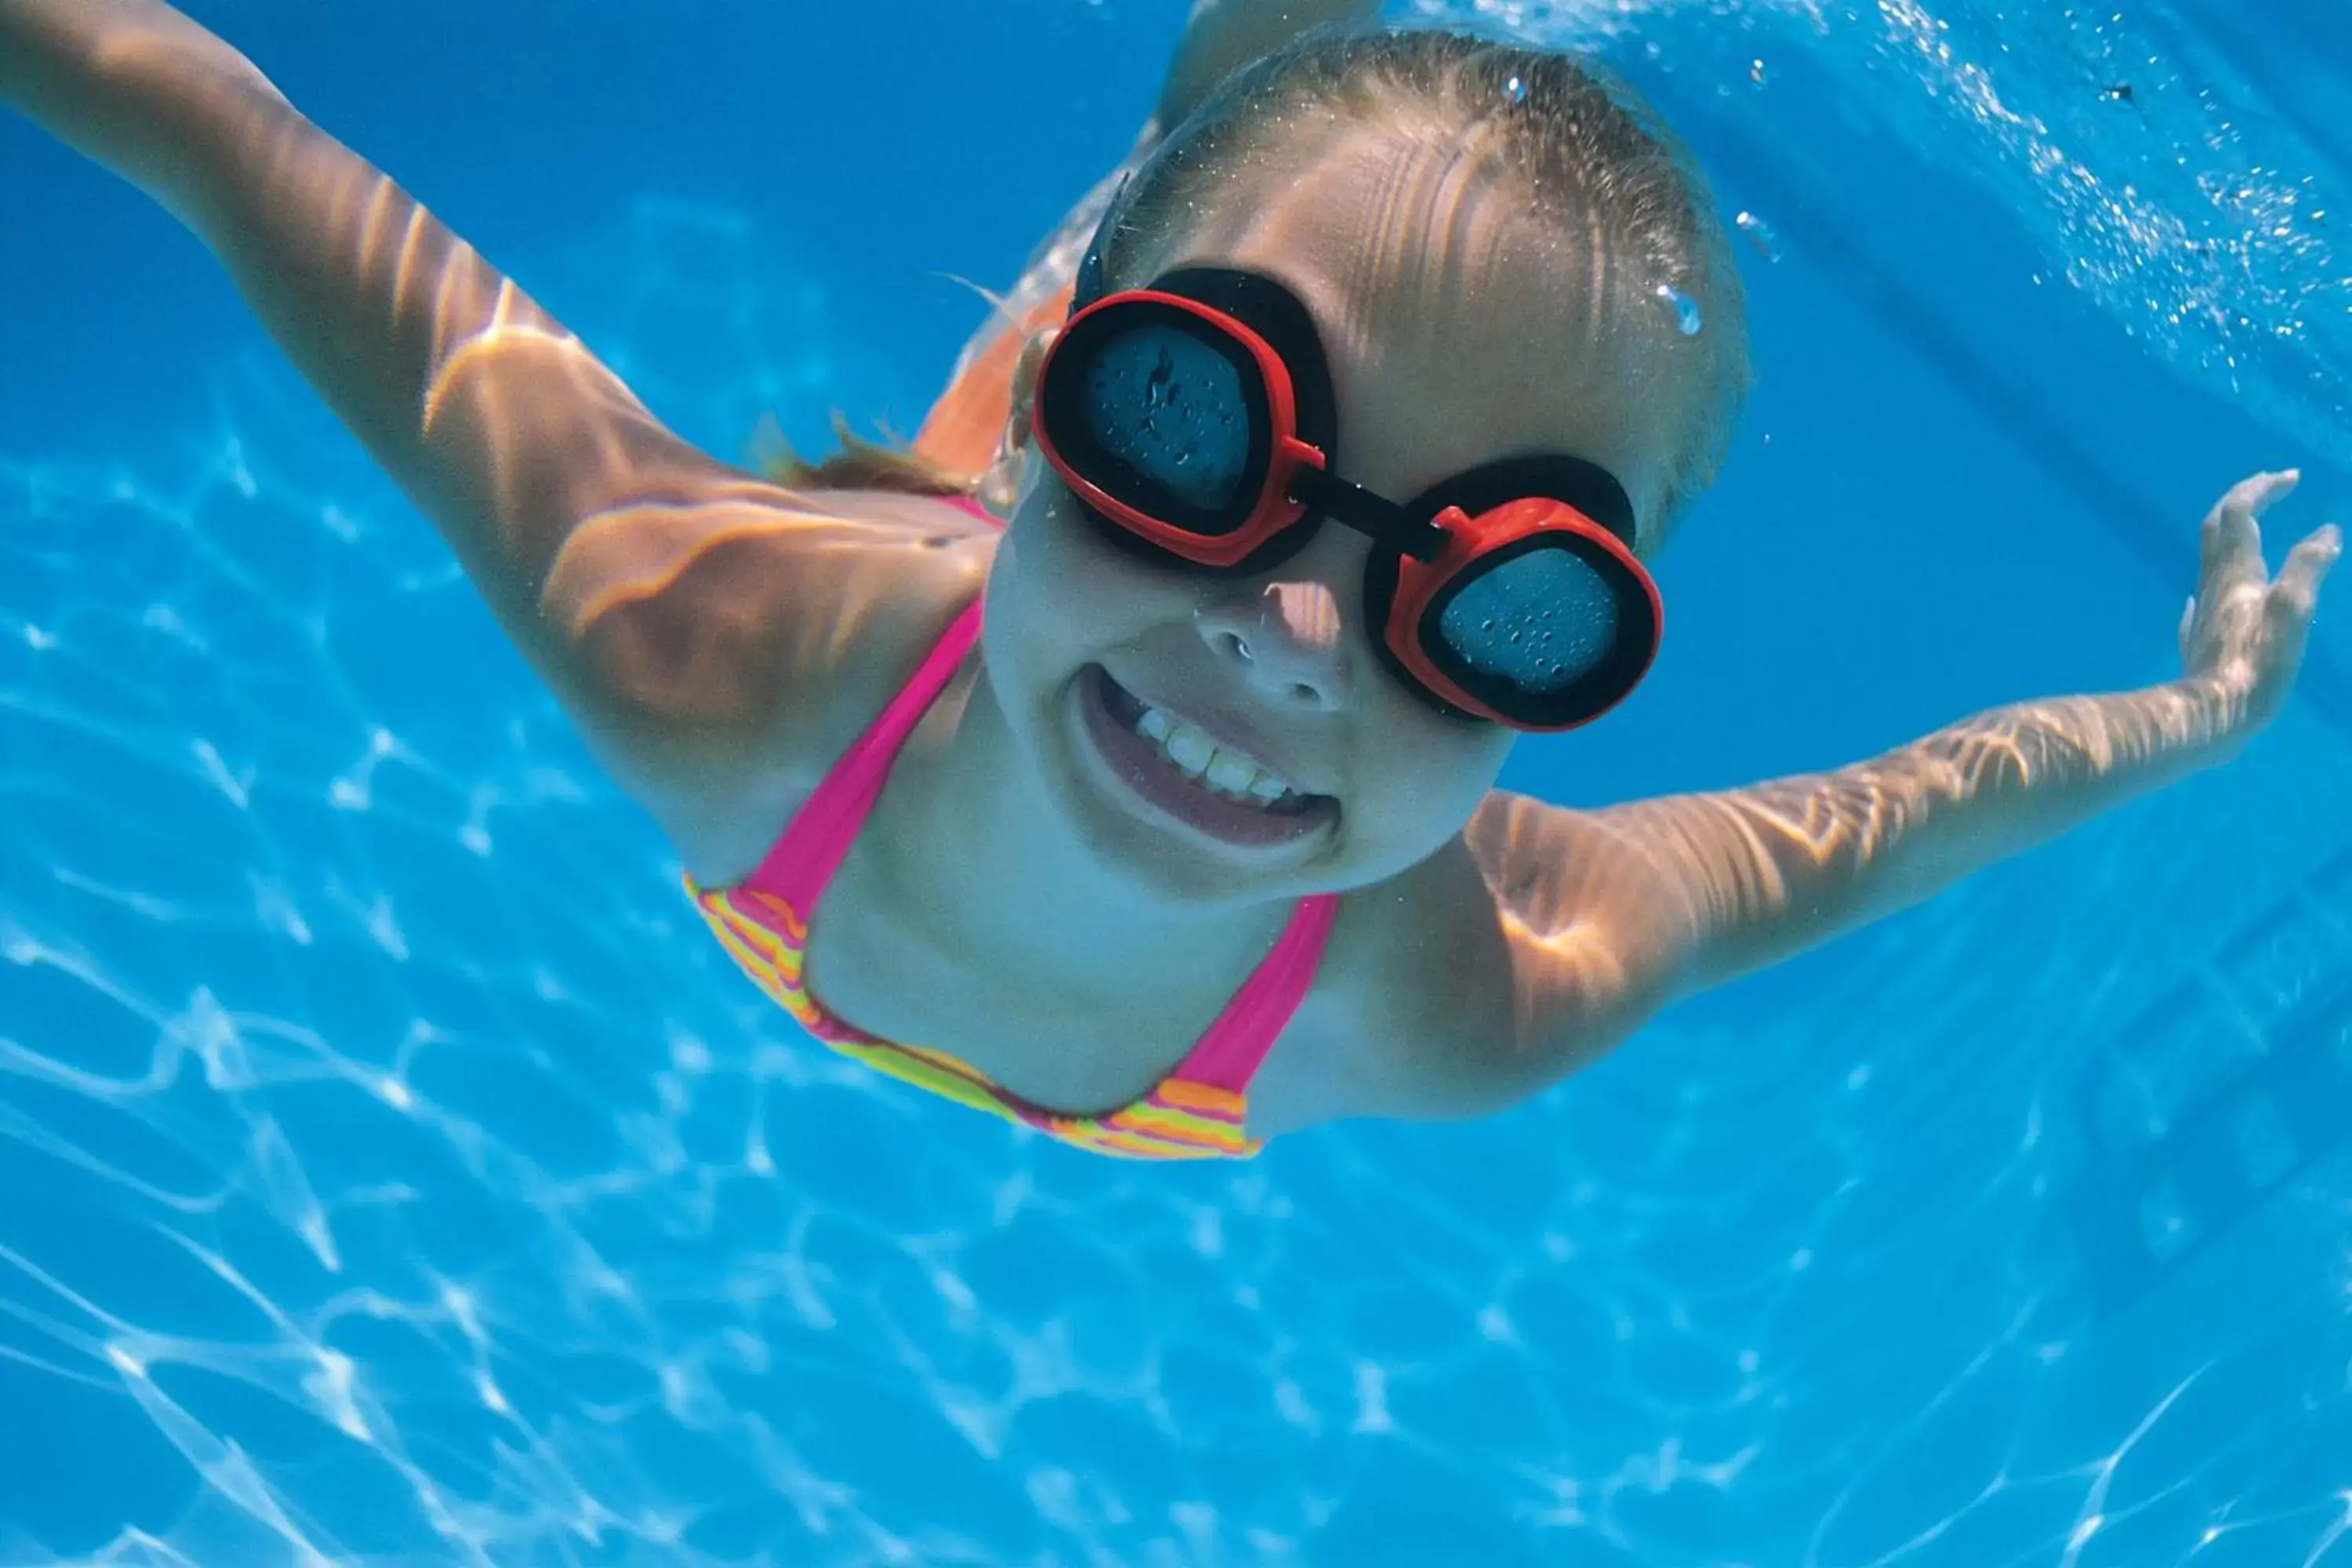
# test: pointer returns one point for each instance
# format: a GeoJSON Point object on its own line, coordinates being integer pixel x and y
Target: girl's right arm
{"type": "Point", "coordinates": [686, 614]}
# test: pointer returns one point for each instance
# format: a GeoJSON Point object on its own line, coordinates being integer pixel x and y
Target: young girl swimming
{"type": "Point", "coordinates": [1330, 437]}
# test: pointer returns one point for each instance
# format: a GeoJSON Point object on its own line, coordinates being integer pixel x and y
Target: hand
{"type": "Point", "coordinates": [2244, 627]}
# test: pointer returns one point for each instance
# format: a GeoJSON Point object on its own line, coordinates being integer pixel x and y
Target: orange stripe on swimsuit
{"type": "Point", "coordinates": [1198, 1112]}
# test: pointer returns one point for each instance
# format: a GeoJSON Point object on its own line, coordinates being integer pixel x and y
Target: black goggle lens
{"type": "Point", "coordinates": [1161, 413]}
{"type": "Point", "coordinates": [1538, 622]}
{"type": "Point", "coordinates": [1170, 409]}
{"type": "Point", "coordinates": [1551, 631]}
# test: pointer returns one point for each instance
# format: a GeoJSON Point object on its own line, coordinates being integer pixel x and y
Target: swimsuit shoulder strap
{"type": "Point", "coordinates": [1229, 1053]}
{"type": "Point", "coordinates": [813, 844]}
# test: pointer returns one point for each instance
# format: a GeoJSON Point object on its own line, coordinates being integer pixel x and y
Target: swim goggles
{"type": "Point", "coordinates": [1193, 420]}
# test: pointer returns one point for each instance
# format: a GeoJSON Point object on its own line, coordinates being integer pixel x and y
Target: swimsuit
{"type": "Point", "coordinates": [1197, 1112]}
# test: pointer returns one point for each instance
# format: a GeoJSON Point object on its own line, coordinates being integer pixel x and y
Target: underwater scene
{"type": "Point", "coordinates": [392, 1171]}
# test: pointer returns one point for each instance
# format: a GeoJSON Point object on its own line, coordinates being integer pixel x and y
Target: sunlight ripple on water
{"type": "Point", "coordinates": [2188, 201]}
{"type": "Point", "coordinates": [413, 1183]}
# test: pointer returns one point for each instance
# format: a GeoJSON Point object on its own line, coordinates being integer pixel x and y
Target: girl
{"type": "Point", "coordinates": [1332, 433]}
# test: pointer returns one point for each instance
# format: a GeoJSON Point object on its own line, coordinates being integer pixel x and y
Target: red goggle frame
{"type": "Point", "coordinates": [1425, 552]}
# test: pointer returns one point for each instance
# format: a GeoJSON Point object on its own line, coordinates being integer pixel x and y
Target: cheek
{"type": "Point", "coordinates": [1058, 597]}
{"type": "Point", "coordinates": [1452, 774]}
{"type": "Point", "coordinates": [1425, 776]}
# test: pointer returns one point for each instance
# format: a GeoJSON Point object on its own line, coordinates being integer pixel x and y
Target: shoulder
{"type": "Point", "coordinates": [1440, 1000]}
{"type": "Point", "coordinates": [751, 637]}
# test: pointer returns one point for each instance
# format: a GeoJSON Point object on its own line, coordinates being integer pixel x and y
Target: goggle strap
{"type": "Point", "coordinates": [1374, 516]}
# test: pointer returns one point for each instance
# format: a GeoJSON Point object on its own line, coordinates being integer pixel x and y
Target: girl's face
{"type": "Point", "coordinates": [1458, 331]}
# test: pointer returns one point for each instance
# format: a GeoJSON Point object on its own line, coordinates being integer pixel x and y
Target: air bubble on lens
{"type": "Point", "coordinates": [1516, 90]}
{"type": "Point", "coordinates": [1555, 615]}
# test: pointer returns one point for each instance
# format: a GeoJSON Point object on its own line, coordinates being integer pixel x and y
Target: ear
{"type": "Point", "coordinates": [1000, 485]}
{"type": "Point", "coordinates": [1025, 382]}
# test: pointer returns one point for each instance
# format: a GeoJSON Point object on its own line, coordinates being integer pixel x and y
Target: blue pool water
{"type": "Point", "coordinates": [390, 1172]}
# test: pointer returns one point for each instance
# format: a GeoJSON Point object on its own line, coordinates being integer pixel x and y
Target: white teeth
{"type": "Point", "coordinates": [1232, 774]}
{"type": "Point", "coordinates": [1227, 773]}
{"type": "Point", "coordinates": [1190, 750]}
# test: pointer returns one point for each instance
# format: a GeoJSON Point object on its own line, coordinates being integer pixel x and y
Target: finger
{"type": "Point", "coordinates": [2296, 592]}
{"type": "Point", "coordinates": [2286, 609]}
{"type": "Point", "coordinates": [2264, 489]}
{"type": "Point", "coordinates": [2256, 493]}
{"type": "Point", "coordinates": [2232, 541]}
{"type": "Point", "coordinates": [2232, 548]}
{"type": "Point", "coordinates": [2285, 627]}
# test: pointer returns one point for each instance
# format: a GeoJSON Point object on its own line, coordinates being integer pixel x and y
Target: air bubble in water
{"type": "Point", "coordinates": [1516, 90]}
{"type": "Point", "coordinates": [1688, 320]}
{"type": "Point", "coordinates": [1759, 235]}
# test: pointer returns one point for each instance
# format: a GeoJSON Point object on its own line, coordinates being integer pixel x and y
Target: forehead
{"type": "Point", "coordinates": [1461, 325]}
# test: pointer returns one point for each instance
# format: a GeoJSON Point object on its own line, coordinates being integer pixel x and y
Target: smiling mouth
{"type": "Point", "coordinates": [1178, 767]}
{"type": "Point", "coordinates": [1221, 770]}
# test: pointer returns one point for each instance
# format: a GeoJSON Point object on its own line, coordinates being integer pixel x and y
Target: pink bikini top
{"type": "Point", "coordinates": [1197, 1112]}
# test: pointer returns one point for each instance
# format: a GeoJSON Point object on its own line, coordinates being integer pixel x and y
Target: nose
{"type": "Point", "coordinates": [1287, 640]}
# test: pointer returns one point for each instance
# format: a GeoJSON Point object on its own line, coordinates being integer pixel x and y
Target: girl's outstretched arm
{"type": "Point", "coordinates": [682, 611]}
{"type": "Point", "coordinates": [1563, 931]}
{"type": "Point", "coordinates": [1637, 904]}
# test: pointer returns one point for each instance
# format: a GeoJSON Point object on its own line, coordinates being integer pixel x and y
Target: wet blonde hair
{"type": "Point", "coordinates": [1581, 145]}
{"type": "Point", "coordinates": [856, 464]}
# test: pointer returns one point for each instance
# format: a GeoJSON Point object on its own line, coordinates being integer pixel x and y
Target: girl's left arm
{"type": "Point", "coordinates": [1607, 915]}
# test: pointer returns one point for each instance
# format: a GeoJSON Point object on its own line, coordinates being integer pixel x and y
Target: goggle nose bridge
{"type": "Point", "coordinates": [1374, 516]}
